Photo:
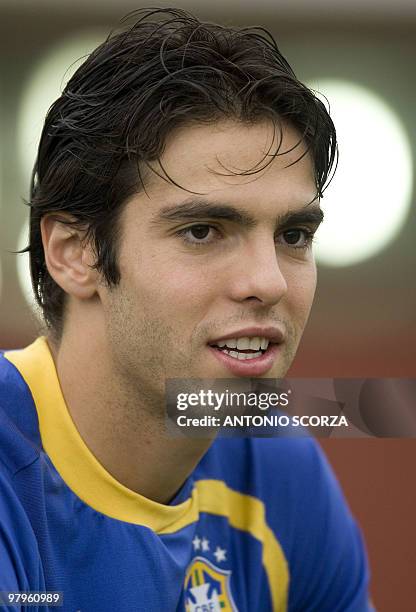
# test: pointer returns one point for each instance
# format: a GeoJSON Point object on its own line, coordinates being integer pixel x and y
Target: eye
{"type": "Point", "coordinates": [298, 238]}
{"type": "Point", "coordinates": [199, 234]}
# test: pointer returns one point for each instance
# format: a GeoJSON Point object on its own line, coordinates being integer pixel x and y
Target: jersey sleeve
{"type": "Point", "coordinates": [19, 563]}
{"type": "Point", "coordinates": [330, 571]}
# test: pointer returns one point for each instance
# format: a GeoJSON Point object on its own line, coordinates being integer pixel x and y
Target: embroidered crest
{"type": "Point", "coordinates": [207, 588]}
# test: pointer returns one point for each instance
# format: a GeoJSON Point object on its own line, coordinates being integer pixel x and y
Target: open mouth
{"type": "Point", "coordinates": [249, 355]}
{"type": "Point", "coordinates": [243, 349]}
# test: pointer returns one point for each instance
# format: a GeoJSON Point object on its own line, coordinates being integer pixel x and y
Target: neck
{"type": "Point", "coordinates": [124, 431]}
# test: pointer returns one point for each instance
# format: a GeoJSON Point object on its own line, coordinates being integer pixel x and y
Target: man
{"type": "Point", "coordinates": [174, 202]}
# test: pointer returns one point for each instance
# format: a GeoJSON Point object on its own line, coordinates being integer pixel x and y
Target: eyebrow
{"type": "Point", "coordinates": [195, 210]}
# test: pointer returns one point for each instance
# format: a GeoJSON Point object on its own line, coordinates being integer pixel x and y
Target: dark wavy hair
{"type": "Point", "coordinates": [167, 70]}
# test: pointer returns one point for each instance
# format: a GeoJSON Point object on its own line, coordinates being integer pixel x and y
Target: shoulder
{"type": "Point", "coordinates": [256, 463]}
{"type": "Point", "coordinates": [285, 474]}
{"type": "Point", "coordinates": [20, 441]}
{"type": "Point", "coordinates": [288, 475]}
{"type": "Point", "coordinates": [306, 510]}
{"type": "Point", "coordinates": [19, 558]}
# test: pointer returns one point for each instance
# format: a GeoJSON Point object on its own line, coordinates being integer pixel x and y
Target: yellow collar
{"type": "Point", "coordinates": [75, 462]}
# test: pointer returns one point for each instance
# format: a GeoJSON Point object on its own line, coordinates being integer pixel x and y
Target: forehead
{"type": "Point", "coordinates": [223, 161]}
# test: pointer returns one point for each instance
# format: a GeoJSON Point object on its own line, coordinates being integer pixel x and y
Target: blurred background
{"type": "Point", "coordinates": [361, 56]}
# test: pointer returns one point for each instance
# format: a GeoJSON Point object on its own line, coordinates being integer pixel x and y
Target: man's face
{"type": "Point", "coordinates": [220, 284]}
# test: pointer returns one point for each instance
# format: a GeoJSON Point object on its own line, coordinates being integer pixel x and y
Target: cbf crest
{"type": "Point", "coordinates": [207, 588]}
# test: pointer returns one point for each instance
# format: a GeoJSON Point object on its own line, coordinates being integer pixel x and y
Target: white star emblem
{"type": "Point", "coordinates": [205, 544]}
{"type": "Point", "coordinates": [196, 542]}
{"type": "Point", "coordinates": [220, 554]}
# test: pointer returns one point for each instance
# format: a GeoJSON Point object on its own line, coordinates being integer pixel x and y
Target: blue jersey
{"type": "Point", "coordinates": [259, 525]}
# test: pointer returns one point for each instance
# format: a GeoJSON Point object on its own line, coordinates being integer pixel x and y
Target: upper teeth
{"type": "Point", "coordinates": [254, 344]}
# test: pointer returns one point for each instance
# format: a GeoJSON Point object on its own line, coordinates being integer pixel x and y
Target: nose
{"type": "Point", "coordinates": [257, 275]}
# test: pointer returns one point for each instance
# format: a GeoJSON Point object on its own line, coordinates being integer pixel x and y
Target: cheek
{"type": "Point", "coordinates": [180, 290]}
{"type": "Point", "coordinates": [301, 291]}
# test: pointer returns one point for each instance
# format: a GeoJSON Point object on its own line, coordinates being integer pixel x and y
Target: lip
{"type": "Point", "coordinates": [248, 367]}
{"type": "Point", "coordinates": [274, 334]}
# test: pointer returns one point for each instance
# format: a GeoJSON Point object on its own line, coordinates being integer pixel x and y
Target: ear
{"type": "Point", "coordinates": [68, 257]}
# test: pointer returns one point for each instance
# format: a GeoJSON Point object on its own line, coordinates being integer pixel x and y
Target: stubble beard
{"type": "Point", "coordinates": [145, 352]}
